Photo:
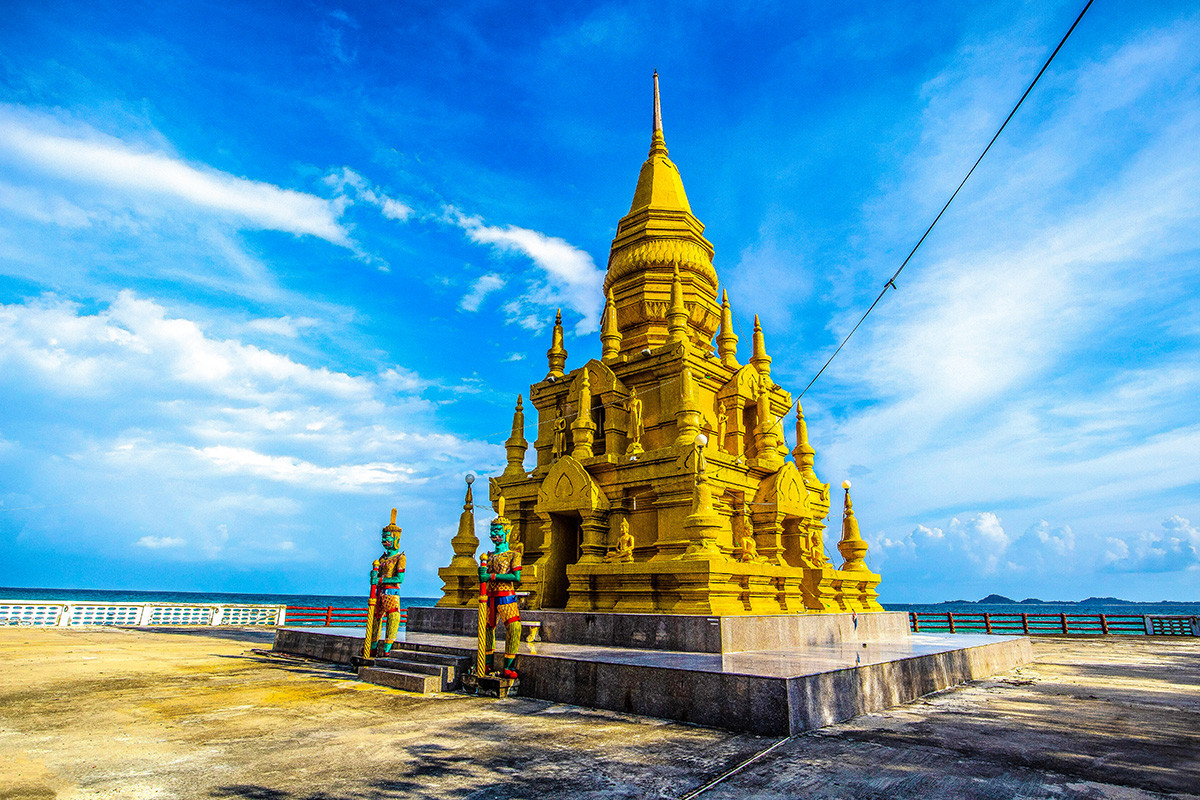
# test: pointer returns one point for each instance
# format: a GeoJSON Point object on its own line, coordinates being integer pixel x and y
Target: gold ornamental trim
{"type": "Point", "coordinates": [660, 253]}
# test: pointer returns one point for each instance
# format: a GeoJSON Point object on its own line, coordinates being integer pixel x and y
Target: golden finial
{"type": "Point", "coordinates": [516, 444]}
{"type": "Point", "coordinates": [803, 452]}
{"type": "Point", "coordinates": [677, 313]}
{"type": "Point", "coordinates": [657, 106]}
{"type": "Point", "coordinates": [760, 359]}
{"type": "Point", "coordinates": [557, 354]}
{"type": "Point", "coordinates": [393, 522]}
{"type": "Point", "coordinates": [852, 546]}
{"type": "Point", "coordinates": [465, 542]}
{"type": "Point", "coordinates": [657, 143]}
{"type": "Point", "coordinates": [582, 429]}
{"type": "Point", "coordinates": [500, 506]}
{"type": "Point", "coordinates": [610, 334]}
{"type": "Point", "coordinates": [727, 340]}
{"type": "Point", "coordinates": [687, 417]}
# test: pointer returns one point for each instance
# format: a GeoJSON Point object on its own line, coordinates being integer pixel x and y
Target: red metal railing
{"type": "Point", "coordinates": [331, 616]}
{"type": "Point", "coordinates": [1054, 624]}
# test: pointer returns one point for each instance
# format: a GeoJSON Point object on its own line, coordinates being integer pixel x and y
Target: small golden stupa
{"type": "Point", "coordinates": [671, 441]}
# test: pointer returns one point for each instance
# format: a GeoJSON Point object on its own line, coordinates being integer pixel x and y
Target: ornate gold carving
{"type": "Point", "coordinates": [568, 487]}
{"type": "Point", "coordinates": [661, 252]}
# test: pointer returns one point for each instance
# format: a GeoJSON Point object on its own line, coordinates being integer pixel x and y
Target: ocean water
{"type": "Point", "coordinates": [1050, 607]}
{"type": "Point", "coordinates": [1106, 606]}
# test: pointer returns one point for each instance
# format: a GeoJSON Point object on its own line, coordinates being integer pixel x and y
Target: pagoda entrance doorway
{"type": "Point", "coordinates": [573, 510]}
{"type": "Point", "coordinates": [565, 530]}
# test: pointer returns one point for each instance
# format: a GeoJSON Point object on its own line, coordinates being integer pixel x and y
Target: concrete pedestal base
{"type": "Point", "coordinates": [772, 692]}
{"type": "Point", "coordinates": [679, 632]}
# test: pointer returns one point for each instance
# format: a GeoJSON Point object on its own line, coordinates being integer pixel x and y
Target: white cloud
{"type": "Point", "coordinates": [180, 397]}
{"type": "Point", "coordinates": [82, 155]}
{"type": "Point", "coordinates": [160, 542]}
{"type": "Point", "coordinates": [524, 314]}
{"type": "Point", "coordinates": [1175, 548]}
{"type": "Point", "coordinates": [1035, 357]}
{"type": "Point", "coordinates": [569, 276]}
{"type": "Point", "coordinates": [1044, 549]}
{"type": "Point", "coordinates": [287, 469]}
{"type": "Point", "coordinates": [40, 207]}
{"type": "Point", "coordinates": [483, 286]}
{"type": "Point", "coordinates": [351, 184]}
{"type": "Point", "coordinates": [134, 338]}
{"type": "Point", "coordinates": [286, 326]}
{"type": "Point", "coordinates": [976, 542]}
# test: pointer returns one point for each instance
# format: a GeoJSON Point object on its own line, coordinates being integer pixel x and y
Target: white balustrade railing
{"type": "Point", "coordinates": [71, 613]}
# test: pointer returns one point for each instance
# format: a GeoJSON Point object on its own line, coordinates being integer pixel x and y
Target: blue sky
{"type": "Point", "coordinates": [268, 270]}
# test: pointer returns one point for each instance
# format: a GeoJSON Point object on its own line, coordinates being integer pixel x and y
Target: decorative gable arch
{"type": "Point", "coordinates": [568, 487]}
{"type": "Point", "coordinates": [602, 380]}
{"type": "Point", "coordinates": [743, 384]}
{"type": "Point", "coordinates": [783, 494]}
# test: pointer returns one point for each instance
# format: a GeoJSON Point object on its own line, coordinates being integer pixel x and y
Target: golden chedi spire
{"type": "Point", "coordinates": [610, 335]}
{"type": "Point", "coordinates": [803, 452]}
{"type": "Point", "coordinates": [659, 235]}
{"type": "Point", "coordinates": [687, 415]}
{"type": "Point", "coordinates": [516, 444]}
{"type": "Point", "coordinates": [557, 354]}
{"type": "Point", "coordinates": [465, 542]}
{"type": "Point", "coordinates": [583, 430]}
{"type": "Point", "coordinates": [852, 546]}
{"type": "Point", "coordinates": [677, 312]}
{"type": "Point", "coordinates": [727, 340]}
{"type": "Point", "coordinates": [759, 358]}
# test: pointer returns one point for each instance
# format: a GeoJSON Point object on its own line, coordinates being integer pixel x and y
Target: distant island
{"type": "Point", "coordinates": [1001, 600]}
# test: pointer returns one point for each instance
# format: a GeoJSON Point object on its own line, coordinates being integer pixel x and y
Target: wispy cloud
{"type": "Point", "coordinates": [149, 406]}
{"type": "Point", "coordinates": [349, 183]}
{"type": "Point", "coordinates": [480, 289]}
{"type": "Point", "coordinates": [80, 154]}
{"type": "Point", "coordinates": [160, 542]}
{"type": "Point", "coordinates": [38, 206]}
{"type": "Point", "coordinates": [568, 275]}
{"type": "Point", "coordinates": [288, 469]}
{"type": "Point", "coordinates": [1033, 359]}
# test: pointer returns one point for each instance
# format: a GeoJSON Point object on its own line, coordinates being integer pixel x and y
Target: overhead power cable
{"type": "Point", "coordinates": [891, 282]}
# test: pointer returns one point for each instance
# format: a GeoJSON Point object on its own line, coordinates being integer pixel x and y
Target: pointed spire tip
{"type": "Point", "coordinates": [657, 107]}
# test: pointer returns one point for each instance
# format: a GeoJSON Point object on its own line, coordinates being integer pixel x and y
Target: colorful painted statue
{"type": "Point", "coordinates": [387, 573]}
{"type": "Point", "coordinates": [501, 572]}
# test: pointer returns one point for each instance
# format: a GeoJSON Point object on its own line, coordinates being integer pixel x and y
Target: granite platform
{"type": "Point", "coordinates": [680, 632]}
{"type": "Point", "coordinates": [768, 691]}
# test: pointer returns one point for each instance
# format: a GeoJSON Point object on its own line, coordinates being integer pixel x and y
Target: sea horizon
{"type": "Point", "coordinates": [1105, 605]}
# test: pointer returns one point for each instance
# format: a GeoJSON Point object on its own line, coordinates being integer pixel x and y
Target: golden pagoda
{"type": "Point", "coordinates": [671, 441]}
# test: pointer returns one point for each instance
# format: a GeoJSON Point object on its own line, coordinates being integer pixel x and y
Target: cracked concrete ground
{"type": "Point", "coordinates": [116, 713]}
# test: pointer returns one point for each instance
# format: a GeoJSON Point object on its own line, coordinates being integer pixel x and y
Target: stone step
{"type": "Point", "coordinates": [406, 664]}
{"type": "Point", "coordinates": [419, 682]}
{"type": "Point", "coordinates": [426, 657]}
{"type": "Point", "coordinates": [448, 674]}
